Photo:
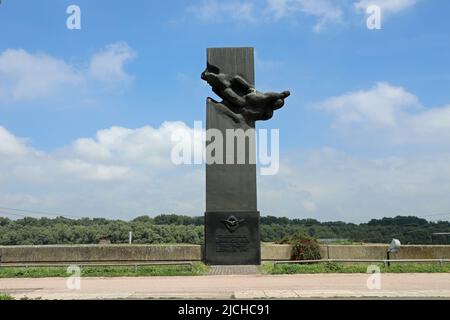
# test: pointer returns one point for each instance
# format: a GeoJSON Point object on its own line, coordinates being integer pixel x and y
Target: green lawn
{"type": "Point", "coordinates": [201, 269]}
{"type": "Point", "coordinates": [332, 267]}
{"type": "Point", "coordinates": [105, 271]}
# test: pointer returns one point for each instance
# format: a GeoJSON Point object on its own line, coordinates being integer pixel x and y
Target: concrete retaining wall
{"type": "Point", "coordinates": [140, 253]}
{"type": "Point", "coordinates": [379, 252]}
{"type": "Point", "coordinates": [369, 252]}
{"type": "Point", "coordinates": [277, 252]}
{"type": "Point", "coordinates": [99, 253]}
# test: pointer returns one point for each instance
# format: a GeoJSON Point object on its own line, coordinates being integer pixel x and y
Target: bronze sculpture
{"type": "Point", "coordinates": [243, 101]}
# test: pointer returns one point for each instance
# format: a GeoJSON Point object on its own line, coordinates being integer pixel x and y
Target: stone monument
{"type": "Point", "coordinates": [232, 234]}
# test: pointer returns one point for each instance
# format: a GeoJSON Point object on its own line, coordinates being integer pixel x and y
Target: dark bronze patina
{"type": "Point", "coordinates": [241, 97]}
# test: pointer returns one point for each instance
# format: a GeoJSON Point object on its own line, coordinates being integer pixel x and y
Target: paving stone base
{"type": "Point", "coordinates": [233, 270]}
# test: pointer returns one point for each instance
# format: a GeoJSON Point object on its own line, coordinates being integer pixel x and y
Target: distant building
{"type": "Point", "coordinates": [440, 238]}
{"type": "Point", "coordinates": [104, 240]}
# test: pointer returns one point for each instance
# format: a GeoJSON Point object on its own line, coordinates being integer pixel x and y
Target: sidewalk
{"type": "Point", "coordinates": [228, 287]}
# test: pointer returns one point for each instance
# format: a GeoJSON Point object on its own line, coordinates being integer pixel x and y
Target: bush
{"type": "Point", "coordinates": [304, 247]}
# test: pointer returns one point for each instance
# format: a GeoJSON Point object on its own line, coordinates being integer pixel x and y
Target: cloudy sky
{"type": "Point", "coordinates": [86, 116]}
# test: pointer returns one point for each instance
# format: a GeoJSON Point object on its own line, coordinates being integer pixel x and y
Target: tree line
{"type": "Point", "coordinates": [171, 228]}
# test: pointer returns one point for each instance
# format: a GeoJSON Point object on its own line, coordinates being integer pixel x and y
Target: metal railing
{"type": "Point", "coordinates": [385, 261]}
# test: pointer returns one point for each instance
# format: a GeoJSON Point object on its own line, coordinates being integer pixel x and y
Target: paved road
{"type": "Point", "coordinates": [238, 286]}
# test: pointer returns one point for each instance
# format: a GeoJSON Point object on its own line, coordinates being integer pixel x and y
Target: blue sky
{"type": "Point", "coordinates": [365, 133]}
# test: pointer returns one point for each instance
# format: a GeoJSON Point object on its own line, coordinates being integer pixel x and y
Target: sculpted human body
{"type": "Point", "coordinates": [241, 97]}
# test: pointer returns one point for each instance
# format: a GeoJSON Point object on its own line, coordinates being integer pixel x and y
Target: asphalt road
{"type": "Point", "coordinates": [237, 286]}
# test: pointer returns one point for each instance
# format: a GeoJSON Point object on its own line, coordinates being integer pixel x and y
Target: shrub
{"type": "Point", "coordinates": [304, 247]}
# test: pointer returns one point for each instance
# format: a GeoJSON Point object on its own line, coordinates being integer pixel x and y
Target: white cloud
{"type": "Point", "coordinates": [387, 6]}
{"type": "Point", "coordinates": [251, 11]}
{"type": "Point", "coordinates": [328, 184]}
{"type": "Point", "coordinates": [26, 76]}
{"type": "Point", "coordinates": [327, 12]}
{"type": "Point", "coordinates": [379, 106]}
{"type": "Point", "coordinates": [10, 145]}
{"type": "Point", "coordinates": [219, 11]}
{"type": "Point", "coordinates": [119, 173]}
{"type": "Point", "coordinates": [389, 113]}
{"type": "Point", "coordinates": [122, 173]}
{"type": "Point", "coordinates": [146, 145]}
{"type": "Point", "coordinates": [91, 171]}
{"type": "Point", "coordinates": [108, 64]}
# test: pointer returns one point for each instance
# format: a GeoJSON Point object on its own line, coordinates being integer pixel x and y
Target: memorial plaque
{"type": "Point", "coordinates": [232, 238]}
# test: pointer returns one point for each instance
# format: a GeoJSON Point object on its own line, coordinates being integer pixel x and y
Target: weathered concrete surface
{"type": "Point", "coordinates": [277, 252]}
{"type": "Point", "coordinates": [99, 253]}
{"type": "Point", "coordinates": [379, 252]}
{"type": "Point", "coordinates": [139, 253]}
{"type": "Point", "coordinates": [367, 251]}
{"type": "Point", "coordinates": [226, 287]}
{"type": "Point", "coordinates": [423, 252]}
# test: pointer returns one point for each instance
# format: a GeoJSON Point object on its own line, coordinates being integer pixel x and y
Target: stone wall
{"type": "Point", "coordinates": [141, 253]}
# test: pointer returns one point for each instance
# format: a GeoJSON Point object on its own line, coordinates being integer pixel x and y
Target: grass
{"type": "Point", "coordinates": [333, 267]}
{"type": "Point", "coordinates": [201, 269]}
{"type": "Point", "coordinates": [105, 271]}
{"type": "Point", "coordinates": [4, 297]}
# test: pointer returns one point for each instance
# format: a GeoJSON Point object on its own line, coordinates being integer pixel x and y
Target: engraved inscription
{"type": "Point", "coordinates": [232, 243]}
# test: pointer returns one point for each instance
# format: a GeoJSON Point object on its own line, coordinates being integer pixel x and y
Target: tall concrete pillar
{"type": "Point", "coordinates": [232, 234]}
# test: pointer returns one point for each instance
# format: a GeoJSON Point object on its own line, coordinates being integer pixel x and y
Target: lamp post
{"type": "Point", "coordinates": [393, 247]}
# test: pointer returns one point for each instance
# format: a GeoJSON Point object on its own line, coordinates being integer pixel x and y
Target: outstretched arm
{"type": "Point", "coordinates": [233, 97]}
{"type": "Point", "coordinates": [276, 95]}
{"type": "Point", "coordinates": [238, 80]}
